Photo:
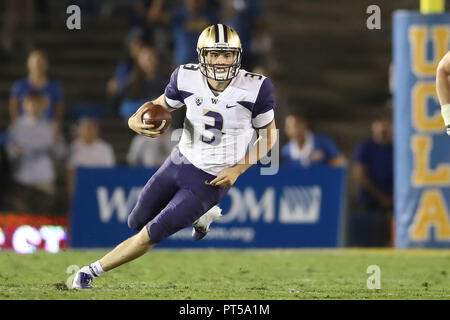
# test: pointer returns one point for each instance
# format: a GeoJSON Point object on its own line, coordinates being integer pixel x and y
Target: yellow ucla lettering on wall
{"type": "Point", "coordinates": [418, 37]}
{"type": "Point", "coordinates": [421, 92]}
{"type": "Point", "coordinates": [422, 174]}
{"type": "Point", "coordinates": [432, 210]}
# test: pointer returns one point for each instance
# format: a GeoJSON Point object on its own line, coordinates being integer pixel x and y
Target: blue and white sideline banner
{"type": "Point", "coordinates": [422, 149]}
{"type": "Point", "coordinates": [295, 208]}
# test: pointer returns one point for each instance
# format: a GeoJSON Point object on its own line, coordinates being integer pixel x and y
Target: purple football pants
{"type": "Point", "coordinates": [174, 197]}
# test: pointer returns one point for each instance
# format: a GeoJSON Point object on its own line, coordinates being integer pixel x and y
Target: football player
{"type": "Point", "coordinates": [443, 89]}
{"type": "Point", "coordinates": [225, 105]}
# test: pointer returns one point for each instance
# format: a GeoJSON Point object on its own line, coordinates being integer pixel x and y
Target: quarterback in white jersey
{"type": "Point", "coordinates": [219, 125]}
{"type": "Point", "coordinates": [224, 108]}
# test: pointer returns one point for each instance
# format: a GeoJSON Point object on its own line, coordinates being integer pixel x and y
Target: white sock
{"type": "Point", "coordinates": [96, 268]}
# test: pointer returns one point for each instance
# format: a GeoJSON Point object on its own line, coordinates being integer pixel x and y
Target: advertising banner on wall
{"type": "Point", "coordinates": [27, 232]}
{"type": "Point", "coordinates": [295, 208]}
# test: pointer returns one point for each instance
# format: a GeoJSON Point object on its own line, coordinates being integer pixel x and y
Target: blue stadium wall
{"type": "Point", "coordinates": [422, 149]}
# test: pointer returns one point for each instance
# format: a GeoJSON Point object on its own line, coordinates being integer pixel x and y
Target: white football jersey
{"type": "Point", "coordinates": [218, 129]}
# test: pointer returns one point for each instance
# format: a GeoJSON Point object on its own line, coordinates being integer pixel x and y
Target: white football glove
{"type": "Point", "coordinates": [445, 111]}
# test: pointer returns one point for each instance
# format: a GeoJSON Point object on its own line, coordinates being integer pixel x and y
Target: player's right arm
{"type": "Point", "coordinates": [170, 100]}
{"type": "Point", "coordinates": [443, 88]}
{"type": "Point", "coordinates": [135, 121]}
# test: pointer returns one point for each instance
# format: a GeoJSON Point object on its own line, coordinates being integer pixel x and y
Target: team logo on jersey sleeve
{"type": "Point", "coordinates": [198, 100]}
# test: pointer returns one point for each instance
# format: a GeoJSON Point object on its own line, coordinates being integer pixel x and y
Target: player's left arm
{"type": "Point", "coordinates": [263, 120]}
{"type": "Point", "coordinates": [443, 88]}
{"type": "Point", "coordinates": [266, 141]}
{"type": "Point", "coordinates": [170, 100]}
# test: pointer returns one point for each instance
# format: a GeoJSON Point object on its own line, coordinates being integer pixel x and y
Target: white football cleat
{"type": "Point", "coordinates": [83, 279]}
{"type": "Point", "coordinates": [201, 226]}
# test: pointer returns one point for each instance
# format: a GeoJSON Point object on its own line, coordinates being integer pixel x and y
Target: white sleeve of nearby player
{"type": "Point", "coordinates": [445, 111]}
{"type": "Point", "coordinates": [262, 113]}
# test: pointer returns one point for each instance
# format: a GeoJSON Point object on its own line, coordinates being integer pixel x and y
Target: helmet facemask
{"type": "Point", "coordinates": [210, 70]}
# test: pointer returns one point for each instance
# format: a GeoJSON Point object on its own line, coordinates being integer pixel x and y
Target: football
{"type": "Point", "coordinates": [158, 116]}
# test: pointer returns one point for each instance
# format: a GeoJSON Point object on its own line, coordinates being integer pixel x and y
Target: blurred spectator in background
{"type": "Point", "coordinates": [373, 167]}
{"type": "Point", "coordinates": [187, 21]}
{"type": "Point", "coordinates": [116, 85]}
{"type": "Point", "coordinates": [152, 19]}
{"type": "Point", "coordinates": [246, 17]}
{"type": "Point", "coordinates": [261, 69]}
{"type": "Point", "coordinates": [5, 170]}
{"type": "Point", "coordinates": [373, 176]}
{"type": "Point", "coordinates": [38, 81]}
{"type": "Point", "coordinates": [92, 7]}
{"type": "Point", "coordinates": [88, 150]}
{"type": "Point", "coordinates": [148, 152]}
{"type": "Point", "coordinates": [17, 13]}
{"type": "Point", "coordinates": [138, 13]}
{"type": "Point", "coordinates": [143, 83]}
{"type": "Point", "coordinates": [32, 143]}
{"type": "Point", "coordinates": [306, 148]}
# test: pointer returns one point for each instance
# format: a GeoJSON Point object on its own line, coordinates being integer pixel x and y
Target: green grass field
{"type": "Point", "coordinates": [234, 274]}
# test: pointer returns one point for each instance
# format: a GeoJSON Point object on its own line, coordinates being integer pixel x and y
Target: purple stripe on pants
{"type": "Point", "coordinates": [173, 198]}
